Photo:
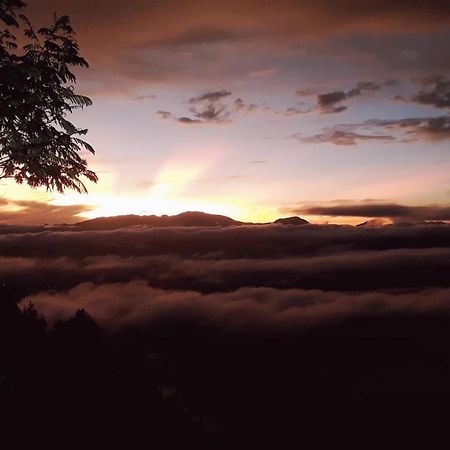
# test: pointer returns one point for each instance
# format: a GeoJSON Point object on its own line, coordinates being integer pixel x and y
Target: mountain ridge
{"type": "Point", "coordinates": [185, 219]}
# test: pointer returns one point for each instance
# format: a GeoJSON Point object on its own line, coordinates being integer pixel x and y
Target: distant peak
{"type": "Point", "coordinates": [295, 220]}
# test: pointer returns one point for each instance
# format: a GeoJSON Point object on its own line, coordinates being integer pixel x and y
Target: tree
{"type": "Point", "coordinates": [38, 145]}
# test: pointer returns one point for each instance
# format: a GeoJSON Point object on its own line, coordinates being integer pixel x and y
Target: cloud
{"type": "Point", "coordinates": [365, 86]}
{"type": "Point", "coordinates": [210, 97]}
{"type": "Point", "coordinates": [241, 105]}
{"type": "Point", "coordinates": [136, 304]}
{"type": "Point", "coordinates": [435, 92]}
{"type": "Point", "coordinates": [393, 130]}
{"type": "Point", "coordinates": [383, 210]}
{"type": "Point", "coordinates": [189, 121]}
{"type": "Point", "coordinates": [198, 39]}
{"type": "Point", "coordinates": [341, 137]}
{"type": "Point", "coordinates": [292, 111]}
{"type": "Point", "coordinates": [145, 97]}
{"type": "Point", "coordinates": [329, 102]}
{"type": "Point", "coordinates": [219, 259]}
{"type": "Point", "coordinates": [424, 128]}
{"type": "Point", "coordinates": [206, 108]}
{"type": "Point", "coordinates": [165, 114]}
{"type": "Point", "coordinates": [27, 212]}
{"type": "Point", "coordinates": [209, 107]}
{"type": "Point", "coordinates": [261, 241]}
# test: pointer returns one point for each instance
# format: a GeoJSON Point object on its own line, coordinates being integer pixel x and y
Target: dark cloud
{"type": "Point", "coordinates": [294, 111]}
{"type": "Point", "coordinates": [436, 92]}
{"type": "Point", "coordinates": [363, 86]}
{"type": "Point", "coordinates": [241, 105]}
{"type": "Point", "coordinates": [330, 102]}
{"type": "Point", "coordinates": [393, 130]}
{"type": "Point", "coordinates": [189, 121]}
{"type": "Point", "coordinates": [198, 21]}
{"type": "Point", "coordinates": [341, 137]}
{"type": "Point", "coordinates": [210, 97]}
{"type": "Point", "coordinates": [427, 128]}
{"type": "Point", "coordinates": [331, 98]}
{"type": "Point", "coordinates": [165, 114]}
{"type": "Point", "coordinates": [210, 108]}
{"type": "Point", "coordinates": [206, 108]}
{"type": "Point", "coordinates": [211, 112]}
{"type": "Point", "coordinates": [127, 42]}
{"type": "Point", "coordinates": [386, 210]}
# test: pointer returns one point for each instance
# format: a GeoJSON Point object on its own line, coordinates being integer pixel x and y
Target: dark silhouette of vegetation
{"type": "Point", "coordinates": [38, 145]}
{"type": "Point", "coordinates": [367, 382]}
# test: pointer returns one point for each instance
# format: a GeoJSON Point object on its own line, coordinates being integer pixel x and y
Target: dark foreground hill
{"type": "Point", "coordinates": [186, 219]}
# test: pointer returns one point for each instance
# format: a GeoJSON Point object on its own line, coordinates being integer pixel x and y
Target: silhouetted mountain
{"type": "Point", "coordinates": [186, 219]}
{"type": "Point", "coordinates": [292, 221]}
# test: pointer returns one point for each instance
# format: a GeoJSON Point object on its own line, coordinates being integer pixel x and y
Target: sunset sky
{"type": "Point", "coordinates": [317, 311]}
{"type": "Point", "coordinates": [257, 109]}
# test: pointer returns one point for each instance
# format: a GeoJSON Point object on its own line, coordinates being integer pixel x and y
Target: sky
{"type": "Point", "coordinates": [257, 110]}
{"type": "Point", "coordinates": [337, 111]}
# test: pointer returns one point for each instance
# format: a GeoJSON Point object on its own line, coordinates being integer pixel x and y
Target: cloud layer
{"type": "Point", "coordinates": [251, 277]}
{"type": "Point", "coordinates": [135, 303]}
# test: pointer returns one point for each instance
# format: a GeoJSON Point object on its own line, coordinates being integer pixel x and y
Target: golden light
{"type": "Point", "coordinates": [166, 195]}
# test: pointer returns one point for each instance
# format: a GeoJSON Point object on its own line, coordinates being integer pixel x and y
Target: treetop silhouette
{"type": "Point", "coordinates": [38, 145]}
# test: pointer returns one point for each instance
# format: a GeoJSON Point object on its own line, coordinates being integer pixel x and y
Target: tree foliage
{"type": "Point", "coordinates": [38, 145]}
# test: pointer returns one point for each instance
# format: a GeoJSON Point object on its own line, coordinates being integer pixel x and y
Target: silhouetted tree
{"type": "Point", "coordinates": [38, 145]}
{"type": "Point", "coordinates": [33, 321]}
{"type": "Point", "coordinates": [79, 331]}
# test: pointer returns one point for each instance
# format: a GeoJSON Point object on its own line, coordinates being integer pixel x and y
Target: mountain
{"type": "Point", "coordinates": [292, 221]}
{"type": "Point", "coordinates": [186, 219]}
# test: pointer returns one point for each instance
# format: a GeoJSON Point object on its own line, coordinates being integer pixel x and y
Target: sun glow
{"type": "Point", "coordinates": [165, 195]}
{"type": "Point", "coordinates": [168, 193]}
